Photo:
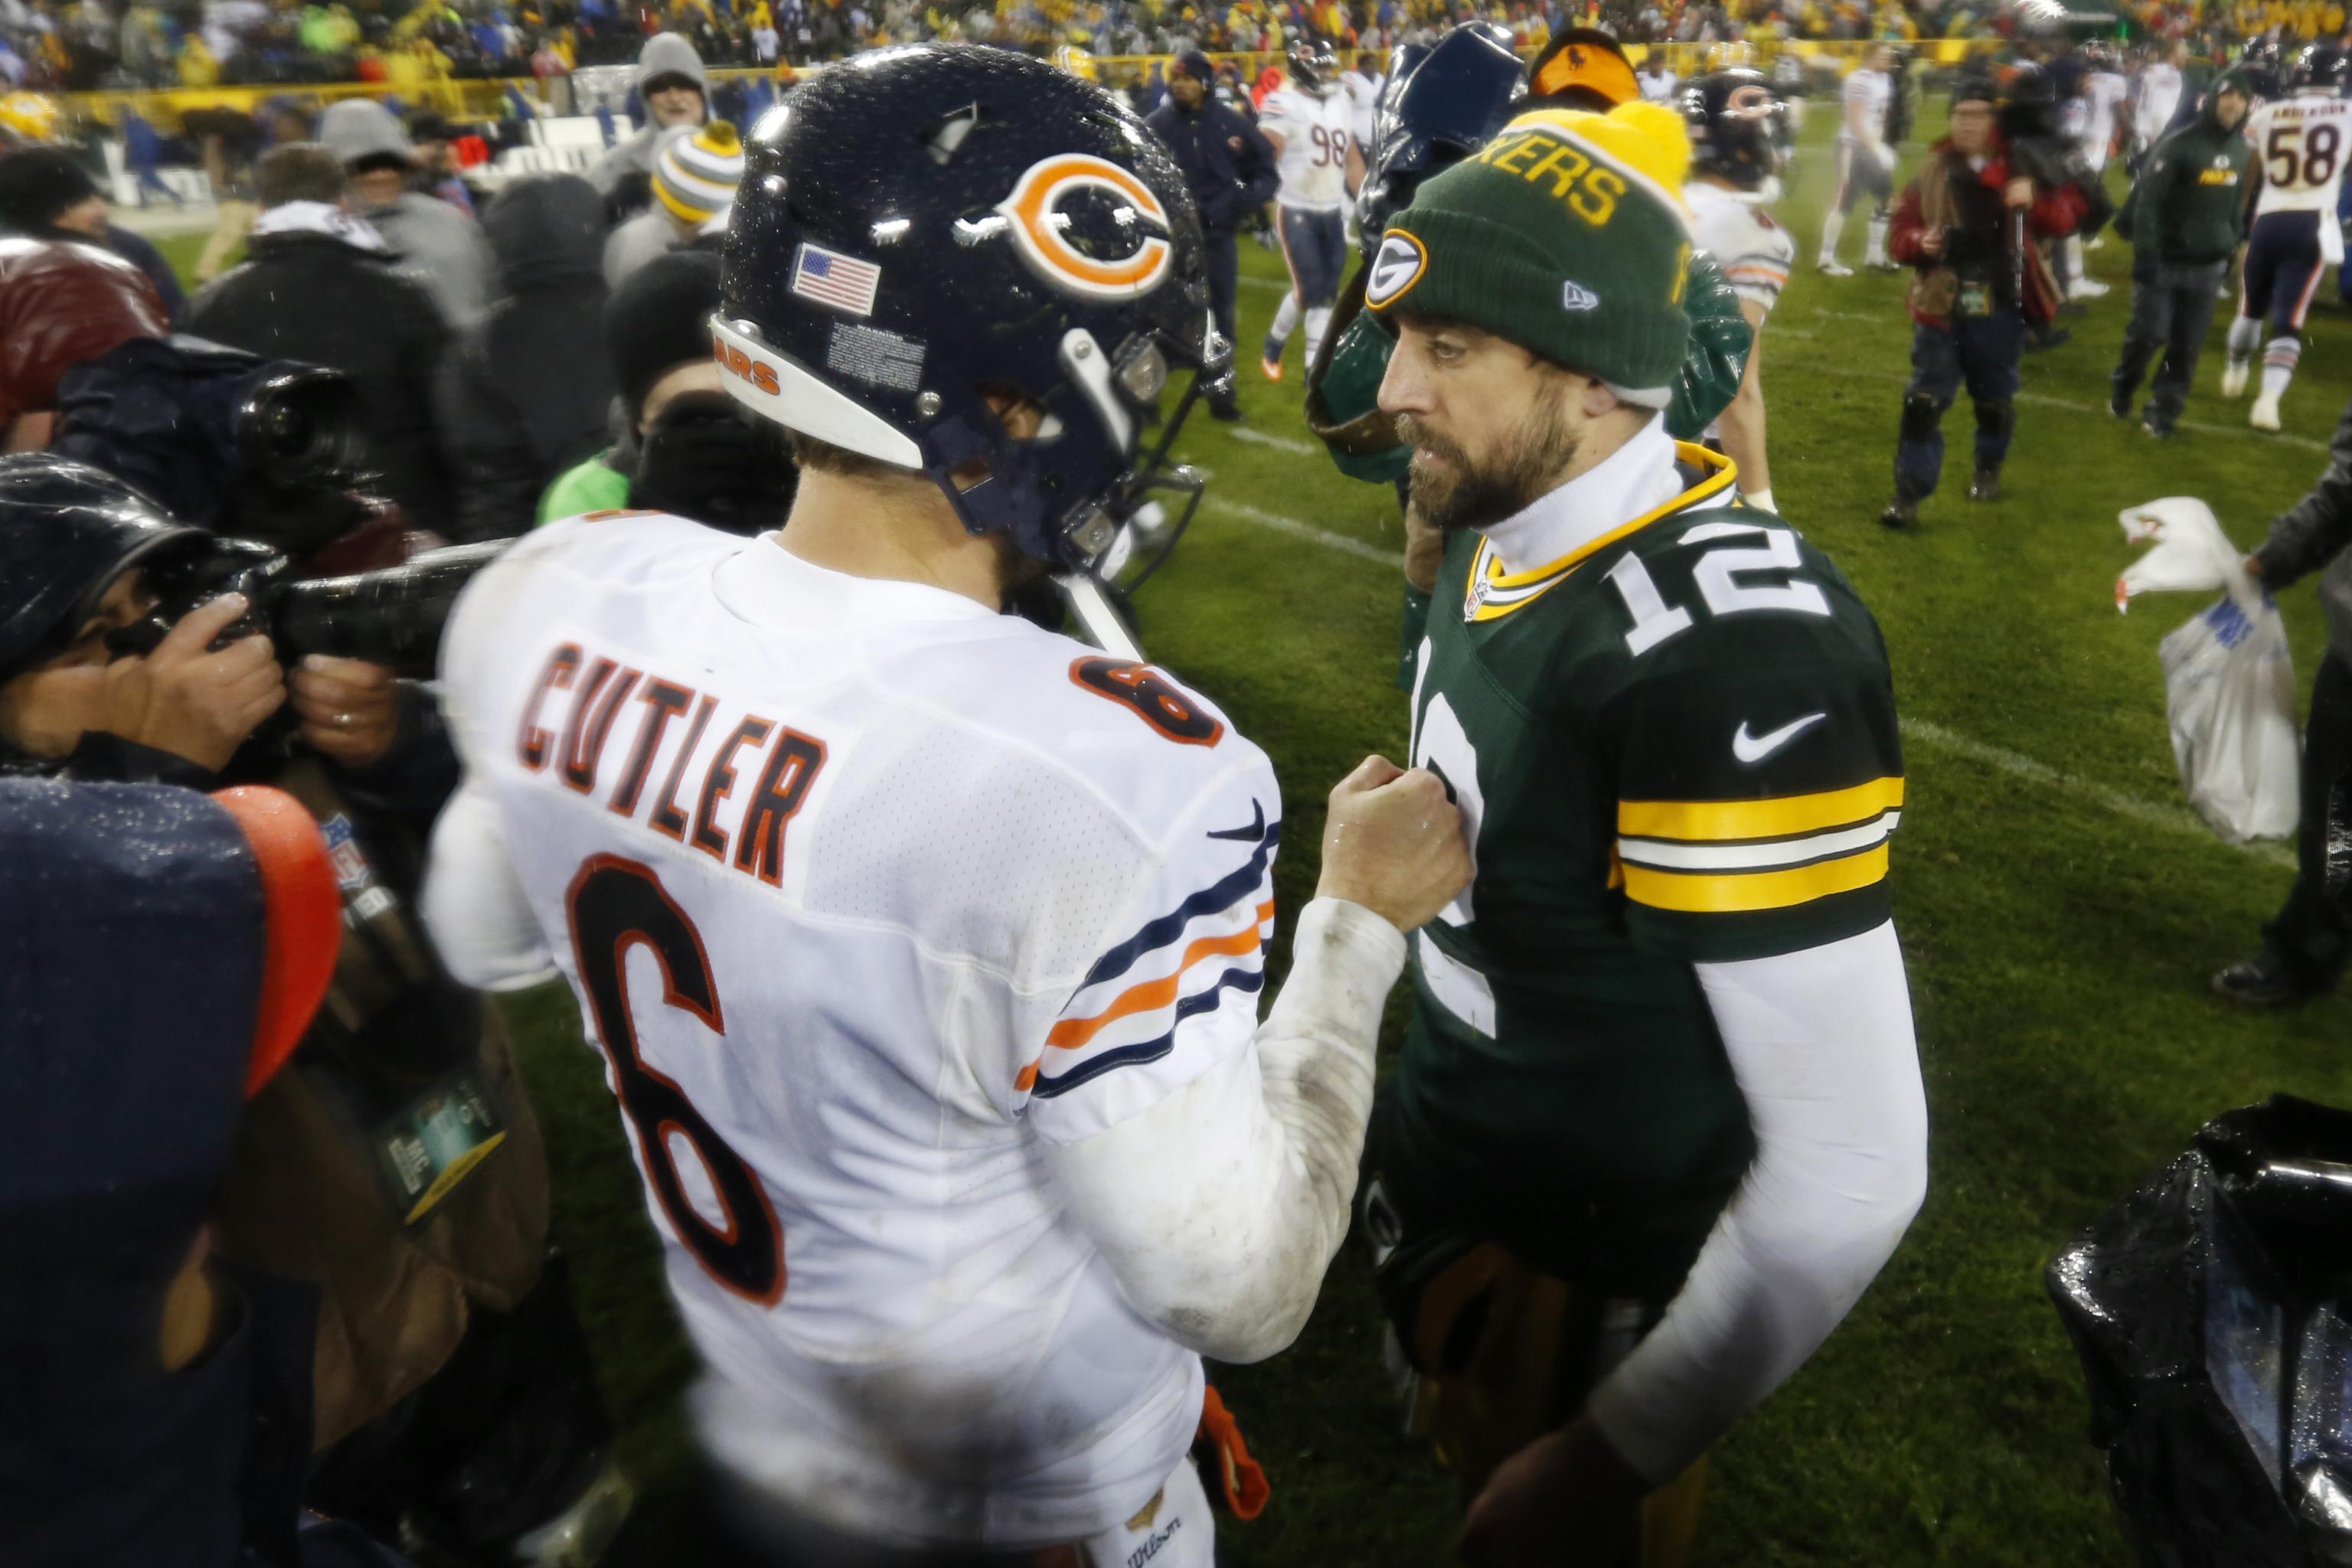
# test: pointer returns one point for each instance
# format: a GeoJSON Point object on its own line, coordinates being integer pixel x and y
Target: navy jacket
{"type": "Point", "coordinates": [1228, 164]}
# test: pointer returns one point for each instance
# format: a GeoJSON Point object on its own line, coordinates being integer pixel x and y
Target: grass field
{"type": "Point", "coordinates": [2061, 910]}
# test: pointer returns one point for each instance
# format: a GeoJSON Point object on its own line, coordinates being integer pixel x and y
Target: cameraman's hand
{"type": "Point", "coordinates": [350, 710]}
{"type": "Point", "coordinates": [1394, 843]}
{"type": "Point", "coordinates": [189, 700]}
{"type": "Point", "coordinates": [2018, 193]}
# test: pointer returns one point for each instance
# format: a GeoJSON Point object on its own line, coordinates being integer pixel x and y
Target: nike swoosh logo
{"type": "Point", "coordinates": [1750, 748]}
{"type": "Point", "coordinates": [1250, 835]}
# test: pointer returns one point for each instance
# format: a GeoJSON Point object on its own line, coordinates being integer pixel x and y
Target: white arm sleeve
{"type": "Point", "coordinates": [1220, 1207]}
{"type": "Point", "coordinates": [474, 904]}
{"type": "Point", "coordinates": [1821, 1043]}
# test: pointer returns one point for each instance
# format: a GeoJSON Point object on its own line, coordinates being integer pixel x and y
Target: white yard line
{"type": "Point", "coordinates": [1279, 442]}
{"type": "Point", "coordinates": [1242, 512]}
{"type": "Point", "coordinates": [2016, 764]}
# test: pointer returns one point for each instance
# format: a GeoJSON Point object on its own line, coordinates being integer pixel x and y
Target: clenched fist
{"type": "Point", "coordinates": [1394, 843]}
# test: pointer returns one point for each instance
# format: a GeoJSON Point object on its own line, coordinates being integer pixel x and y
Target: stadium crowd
{"type": "Point", "coordinates": [86, 45]}
{"type": "Point", "coordinates": [232, 526]}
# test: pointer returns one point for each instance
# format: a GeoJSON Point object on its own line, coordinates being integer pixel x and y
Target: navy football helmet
{"type": "Point", "coordinates": [922, 228]}
{"type": "Point", "coordinates": [1735, 126]}
{"type": "Point", "coordinates": [1313, 65]}
{"type": "Point", "coordinates": [2321, 67]}
{"type": "Point", "coordinates": [1436, 111]}
{"type": "Point", "coordinates": [2260, 63]}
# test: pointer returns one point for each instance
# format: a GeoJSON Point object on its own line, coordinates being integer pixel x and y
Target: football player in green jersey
{"type": "Point", "coordinates": [1658, 1122]}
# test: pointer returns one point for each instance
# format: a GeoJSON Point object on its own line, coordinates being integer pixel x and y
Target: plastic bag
{"type": "Point", "coordinates": [2228, 680]}
{"type": "Point", "coordinates": [2209, 1309]}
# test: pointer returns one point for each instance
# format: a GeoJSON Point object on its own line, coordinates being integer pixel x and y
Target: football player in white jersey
{"type": "Point", "coordinates": [1657, 78]}
{"type": "Point", "coordinates": [1360, 85]}
{"type": "Point", "coordinates": [1734, 119]}
{"type": "Point", "coordinates": [1865, 162]}
{"type": "Point", "coordinates": [925, 945]}
{"type": "Point", "coordinates": [2100, 96]}
{"type": "Point", "coordinates": [2301, 142]}
{"type": "Point", "coordinates": [2157, 94]}
{"type": "Point", "coordinates": [1311, 124]}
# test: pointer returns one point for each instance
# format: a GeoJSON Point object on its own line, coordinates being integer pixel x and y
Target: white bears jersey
{"type": "Point", "coordinates": [1754, 252]}
{"type": "Point", "coordinates": [1315, 134]}
{"type": "Point", "coordinates": [2300, 145]}
{"type": "Point", "coordinates": [1658, 89]}
{"type": "Point", "coordinates": [868, 893]}
{"type": "Point", "coordinates": [2158, 96]}
{"type": "Point", "coordinates": [1362, 91]}
{"type": "Point", "coordinates": [2102, 91]}
{"type": "Point", "coordinates": [1872, 90]}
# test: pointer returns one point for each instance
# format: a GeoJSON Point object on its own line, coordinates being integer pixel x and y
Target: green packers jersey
{"type": "Point", "coordinates": [1674, 745]}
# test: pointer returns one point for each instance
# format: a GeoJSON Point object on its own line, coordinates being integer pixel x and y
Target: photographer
{"type": "Point", "coordinates": [686, 449]}
{"type": "Point", "coordinates": [1970, 225]}
{"type": "Point", "coordinates": [397, 1163]}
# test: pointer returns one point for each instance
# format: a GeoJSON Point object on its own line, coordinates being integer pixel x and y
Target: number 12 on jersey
{"type": "Point", "coordinates": [1717, 576]}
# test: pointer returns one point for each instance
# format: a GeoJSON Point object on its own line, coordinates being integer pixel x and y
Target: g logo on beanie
{"type": "Point", "coordinates": [1397, 267]}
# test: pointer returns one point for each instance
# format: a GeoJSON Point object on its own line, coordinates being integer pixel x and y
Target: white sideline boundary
{"type": "Point", "coordinates": [2016, 764]}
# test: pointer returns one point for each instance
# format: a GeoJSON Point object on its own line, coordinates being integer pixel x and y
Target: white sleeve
{"type": "Point", "coordinates": [473, 903]}
{"type": "Point", "coordinates": [1220, 1207]}
{"type": "Point", "coordinates": [1821, 1044]}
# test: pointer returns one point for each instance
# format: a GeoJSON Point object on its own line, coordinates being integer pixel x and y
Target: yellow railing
{"type": "Point", "coordinates": [470, 100]}
{"type": "Point", "coordinates": [485, 99]}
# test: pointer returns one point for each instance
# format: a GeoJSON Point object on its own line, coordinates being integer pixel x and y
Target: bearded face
{"type": "Point", "coordinates": [1455, 486]}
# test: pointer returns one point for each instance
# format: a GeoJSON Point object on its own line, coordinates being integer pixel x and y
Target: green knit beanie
{"type": "Point", "coordinates": [1567, 235]}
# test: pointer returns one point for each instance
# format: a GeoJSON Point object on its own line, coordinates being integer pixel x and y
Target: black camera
{"type": "Point", "coordinates": [259, 448]}
{"type": "Point", "coordinates": [393, 616]}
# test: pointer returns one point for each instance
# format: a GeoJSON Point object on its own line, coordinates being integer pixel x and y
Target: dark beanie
{"type": "Point", "coordinates": [1195, 64]}
{"type": "Point", "coordinates": [659, 319]}
{"type": "Point", "coordinates": [38, 183]}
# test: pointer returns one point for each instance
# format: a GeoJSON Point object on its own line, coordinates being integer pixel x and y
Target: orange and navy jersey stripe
{"type": "Point", "coordinates": [1128, 1009]}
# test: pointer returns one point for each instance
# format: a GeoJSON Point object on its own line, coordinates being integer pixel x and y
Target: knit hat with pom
{"type": "Point", "coordinates": [1565, 234]}
{"type": "Point", "coordinates": [696, 171]}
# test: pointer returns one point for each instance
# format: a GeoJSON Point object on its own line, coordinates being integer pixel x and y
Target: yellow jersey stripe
{"type": "Point", "coordinates": [1708, 820]}
{"type": "Point", "coordinates": [1715, 894]}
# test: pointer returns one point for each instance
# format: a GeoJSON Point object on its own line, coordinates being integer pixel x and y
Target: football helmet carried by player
{"type": "Point", "coordinates": [2260, 63]}
{"type": "Point", "coordinates": [936, 227]}
{"type": "Point", "coordinates": [1443, 107]}
{"type": "Point", "coordinates": [1735, 126]}
{"type": "Point", "coordinates": [1314, 67]}
{"type": "Point", "coordinates": [2323, 67]}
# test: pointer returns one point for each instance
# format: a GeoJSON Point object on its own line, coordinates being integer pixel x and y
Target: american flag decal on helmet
{"type": "Point", "coordinates": [832, 279]}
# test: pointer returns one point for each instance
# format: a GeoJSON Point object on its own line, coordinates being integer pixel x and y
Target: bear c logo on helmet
{"type": "Point", "coordinates": [1040, 225]}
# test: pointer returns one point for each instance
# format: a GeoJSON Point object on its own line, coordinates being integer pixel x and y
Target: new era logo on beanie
{"type": "Point", "coordinates": [1567, 235]}
{"type": "Point", "coordinates": [696, 171]}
